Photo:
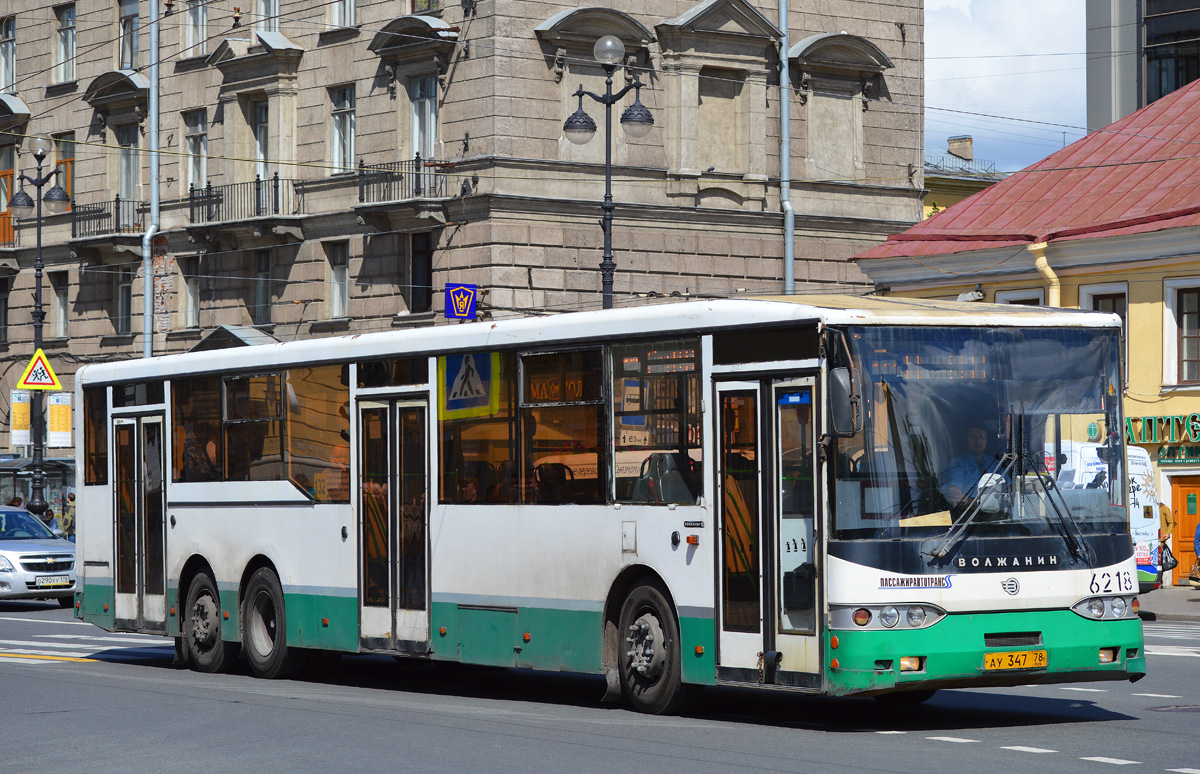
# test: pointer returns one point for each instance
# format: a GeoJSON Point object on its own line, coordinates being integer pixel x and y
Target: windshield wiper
{"type": "Point", "coordinates": [959, 530]}
{"type": "Point", "coordinates": [1065, 519]}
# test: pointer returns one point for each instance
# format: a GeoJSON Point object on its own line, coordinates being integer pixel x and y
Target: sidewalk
{"type": "Point", "coordinates": [1172, 603]}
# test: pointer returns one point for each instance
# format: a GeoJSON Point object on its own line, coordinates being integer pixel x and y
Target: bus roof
{"type": "Point", "coordinates": [685, 316]}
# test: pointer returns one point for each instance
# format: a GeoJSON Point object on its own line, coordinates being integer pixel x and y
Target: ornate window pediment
{"type": "Point", "coordinates": [271, 54]}
{"type": "Point", "coordinates": [117, 91]}
{"type": "Point", "coordinates": [839, 53]}
{"type": "Point", "coordinates": [721, 19]}
{"type": "Point", "coordinates": [411, 37]}
{"type": "Point", "coordinates": [13, 111]}
{"type": "Point", "coordinates": [572, 33]}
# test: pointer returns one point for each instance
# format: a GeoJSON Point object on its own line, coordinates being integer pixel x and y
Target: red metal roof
{"type": "Point", "coordinates": [1139, 174]}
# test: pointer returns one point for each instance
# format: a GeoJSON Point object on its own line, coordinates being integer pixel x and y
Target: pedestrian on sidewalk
{"type": "Point", "coordinates": [1194, 579]}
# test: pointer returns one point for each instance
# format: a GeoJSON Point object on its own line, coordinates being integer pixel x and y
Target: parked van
{"type": "Point", "coordinates": [1081, 467]}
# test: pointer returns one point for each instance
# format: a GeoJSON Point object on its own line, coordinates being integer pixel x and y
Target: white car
{"type": "Point", "coordinates": [34, 562]}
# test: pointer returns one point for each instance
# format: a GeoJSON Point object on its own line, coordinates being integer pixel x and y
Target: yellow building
{"type": "Point", "coordinates": [956, 175]}
{"type": "Point", "coordinates": [1110, 223]}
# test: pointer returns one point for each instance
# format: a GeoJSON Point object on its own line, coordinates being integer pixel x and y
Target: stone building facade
{"type": "Point", "coordinates": [329, 167]}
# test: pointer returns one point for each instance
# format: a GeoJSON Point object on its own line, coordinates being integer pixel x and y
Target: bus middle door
{"type": "Point", "coordinates": [140, 536]}
{"type": "Point", "coordinates": [393, 519]}
{"type": "Point", "coordinates": [768, 627]}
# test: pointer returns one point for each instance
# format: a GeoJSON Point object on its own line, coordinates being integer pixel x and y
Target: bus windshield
{"type": "Point", "coordinates": [966, 432]}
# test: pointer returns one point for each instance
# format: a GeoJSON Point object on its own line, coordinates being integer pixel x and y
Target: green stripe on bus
{"type": "Point", "coordinates": [559, 640]}
{"type": "Point", "coordinates": [954, 647]}
{"type": "Point", "coordinates": [99, 605]}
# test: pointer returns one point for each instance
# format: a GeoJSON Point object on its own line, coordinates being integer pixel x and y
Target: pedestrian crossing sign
{"type": "Point", "coordinates": [469, 385]}
{"type": "Point", "coordinates": [39, 375]}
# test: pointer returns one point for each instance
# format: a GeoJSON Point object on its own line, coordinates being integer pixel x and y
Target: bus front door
{"type": "Point", "coordinates": [768, 627]}
{"type": "Point", "coordinates": [393, 519]}
{"type": "Point", "coordinates": [140, 537]}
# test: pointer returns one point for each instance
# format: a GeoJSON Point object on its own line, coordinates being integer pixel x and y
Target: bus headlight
{"type": "Point", "coordinates": [862, 616]}
{"type": "Point", "coordinates": [1118, 607]}
{"type": "Point", "coordinates": [916, 615]}
{"type": "Point", "coordinates": [889, 617]}
{"type": "Point", "coordinates": [1095, 607]}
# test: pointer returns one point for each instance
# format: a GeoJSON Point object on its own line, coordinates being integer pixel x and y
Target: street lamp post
{"type": "Point", "coordinates": [579, 128]}
{"type": "Point", "coordinates": [22, 206]}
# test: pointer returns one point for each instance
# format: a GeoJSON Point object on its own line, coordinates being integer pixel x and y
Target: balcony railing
{"type": "Point", "coordinates": [241, 201]}
{"type": "Point", "coordinates": [415, 178]}
{"type": "Point", "coordinates": [119, 216]}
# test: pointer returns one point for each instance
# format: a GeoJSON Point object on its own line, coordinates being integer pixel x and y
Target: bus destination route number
{"type": "Point", "coordinates": [1015, 659]}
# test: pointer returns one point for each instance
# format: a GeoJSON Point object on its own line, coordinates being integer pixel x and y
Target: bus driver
{"type": "Point", "coordinates": [960, 480]}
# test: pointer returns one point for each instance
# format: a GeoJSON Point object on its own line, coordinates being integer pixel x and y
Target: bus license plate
{"type": "Point", "coordinates": [52, 581]}
{"type": "Point", "coordinates": [1015, 659]}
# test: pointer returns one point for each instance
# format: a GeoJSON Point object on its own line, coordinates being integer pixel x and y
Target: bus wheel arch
{"type": "Point", "coordinates": [641, 615]}
{"type": "Point", "coordinates": [264, 623]}
{"type": "Point", "coordinates": [201, 624]}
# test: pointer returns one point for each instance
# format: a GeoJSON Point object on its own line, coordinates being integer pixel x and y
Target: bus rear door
{"type": "Point", "coordinates": [768, 627]}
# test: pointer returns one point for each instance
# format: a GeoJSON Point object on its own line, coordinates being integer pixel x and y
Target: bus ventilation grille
{"type": "Point", "coordinates": [1010, 639]}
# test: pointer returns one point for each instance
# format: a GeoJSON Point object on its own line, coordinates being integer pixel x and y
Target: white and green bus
{"type": "Point", "coordinates": [753, 492]}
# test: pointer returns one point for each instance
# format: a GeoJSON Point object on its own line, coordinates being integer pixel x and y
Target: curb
{"type": "Point", "coordinates": [1148, 616]}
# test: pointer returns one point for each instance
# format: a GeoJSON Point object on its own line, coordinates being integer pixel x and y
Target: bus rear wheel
{"type": "Point", "coordinates": [206, 651]}
{"type": "Point", "coordinates": [649, 653]}
{"type": "Point", "coordinates": [265, 629]}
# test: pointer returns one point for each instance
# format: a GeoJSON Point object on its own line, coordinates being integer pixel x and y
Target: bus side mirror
{"type": "Point", "coordinates": [845, 418]}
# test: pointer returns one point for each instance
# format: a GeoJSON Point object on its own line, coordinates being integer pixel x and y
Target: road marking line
{"type": "Point", "coordinates": [956, 739]}
{"type": "Point", "coordinates": [1185, 771]}
{"type": "Point", "coordinates": [44, 658]}
{"type": "Point", "coordinates": [143, 640]}
{"type": "Point", "coordinates": [891, 732]}
{"type": "Point", "coordinates": [1113, 761]}
{"type": "Point", "coordinates": [1171, 650]}
{"type": "Point", "coordinates": [1029, 749]}
{"type": "Point", "coordinates": [48, 621]}
{"type": "Point", "coordinates": [1086, 690]}
{"type": "Point", "coordinates": [1161, 696]}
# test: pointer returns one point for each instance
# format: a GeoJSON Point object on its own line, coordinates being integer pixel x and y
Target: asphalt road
{"type": "Point", "coordinates": [77, 699]}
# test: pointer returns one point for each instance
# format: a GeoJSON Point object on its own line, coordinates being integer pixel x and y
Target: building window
{"type": "Point", "coordinates": [65, 52]}
{"type": "Point", "coordinates": [64, 149]}
{"type": "Point", "coordinates": [422, 93]}
{"type": "Point", "coordinates": [262, 138]}
{"type": "Point", "coordinates": [419, 288]}
{"type": "Point", "coordinates": [268, 16]}
{"type": "Point", "coordinates": [1171, 49]}
{"type": "Point", "coordinates": [1027, 297]}
{"type": "Point", "coordinates": [1113, 303]}
{"type": "Point", "coordinates": [7, 165]}
{"type": "Point", "coordinates": [59, 311]}
{"type": "Point", "coordinates": [124, 300]}
{"type": "Point", "coordinates": [5, 287]}
{"type": "Point", "coordinates": [261, 309]}
{"type": "Point", "coordinates": [342, 13]}
{"type": "Point", "coordinates": [8, 53]}
{"type": "Point", "coordinates": [342, 138]}
{"type": "Point", "coordinates": [1188, 317]}
{"type": "Point", "coordinates": [339, 278]}
{"type": "Point", "coordinates": [127, 174]}
{"type": "Point", "coordinates": [195, 28]}
{"type": "Point", "coordinates": [127, 34]}
{"type": "Point", "coordinates": [195, 132]}
{"type": "Point", "coordinates": [190, 300]}
{"type": "Point", "coordinates": [421, 6]}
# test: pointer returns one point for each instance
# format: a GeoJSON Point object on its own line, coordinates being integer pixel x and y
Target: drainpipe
{"type": "Point", "coordinates": [148, 238]}
{"type": "Point", "coordinates": [785, 157]}
{"type": "Point", "coordinates": [1043, 266]}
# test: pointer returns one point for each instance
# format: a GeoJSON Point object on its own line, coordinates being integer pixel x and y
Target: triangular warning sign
{"type": "Point", "coordinates": [467, 383]}
{"type": "Point", "coordinates": [39, 375]}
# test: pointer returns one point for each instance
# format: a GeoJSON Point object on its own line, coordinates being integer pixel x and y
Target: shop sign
{"type": "Point", "coordinates": [1179, 435]}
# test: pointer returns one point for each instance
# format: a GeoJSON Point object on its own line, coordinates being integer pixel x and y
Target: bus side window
{"type": "Point", "coordinates": [656, 412]}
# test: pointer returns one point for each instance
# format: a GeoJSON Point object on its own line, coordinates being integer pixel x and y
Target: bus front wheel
{"type": "Point", "coordinates": [649, 652]}
{"type": "Point", "coordinates": [265, 633]}
{"type": "Point", "coordinates": [206, 650]}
